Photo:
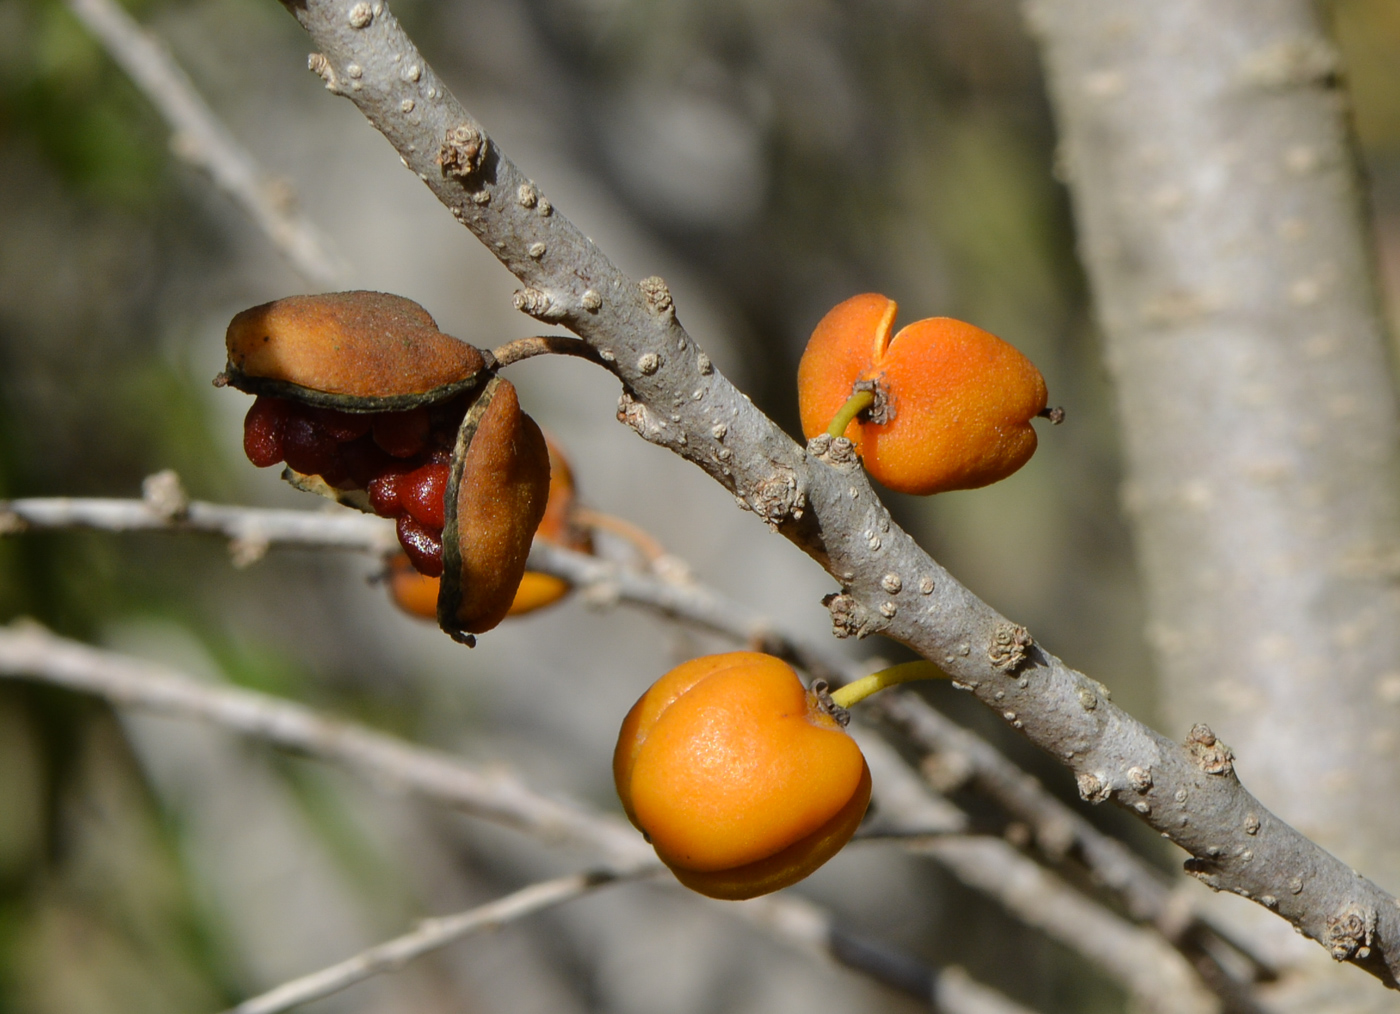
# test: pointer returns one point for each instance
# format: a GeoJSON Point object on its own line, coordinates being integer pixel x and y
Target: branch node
{"type": "Point", "coordinates": [848, 619]}
{"type": "Point", "coordinates": [537, 304]}
{"type": "Point", "coordinates": [246, 550]}
{"type": "Point", "coordinates": [1093, 788]}
{"type": "Point", "coordinates": [320, 65]}
{"type": "Point", "coordinates": [164, 496]}
{"type": "Point", "coordinates": [1351, 932]}
{"type": "Point", "coordinates": [1010, 643]}
{"type": "Point", "coordinates": [1213, 756]}
{"type": "Point", "coordinates": [657, 295]}
{"type": "Point", "coordinates": [463, 151]}
{"type": "Point", "coordinates": [777, 497]}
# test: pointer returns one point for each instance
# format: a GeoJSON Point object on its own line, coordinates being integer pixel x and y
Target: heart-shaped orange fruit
{"type": "Point", "coordinates": [739, 776]}
{"type": "Point", "coordinates": [953, 403]}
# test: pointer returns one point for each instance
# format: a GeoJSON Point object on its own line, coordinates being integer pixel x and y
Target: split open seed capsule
{"type": "Point", "coordinates": [417, 594]}
{"type": "Point", "coordinates": [367, 402]}
{"type": "Point", "coordinates": [742, 780]}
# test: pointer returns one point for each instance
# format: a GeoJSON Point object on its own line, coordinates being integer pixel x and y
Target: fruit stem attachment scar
{"type": "Point", "coordinates": [855, 405]}
{"type": "Point", "coordinates": [906, 672]}
{"type": "Point", "coordinates": [540, 345]}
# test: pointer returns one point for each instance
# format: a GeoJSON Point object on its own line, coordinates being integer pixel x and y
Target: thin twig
{"type": "Point", "coordinates": [250, 530]}
{"type": "Point", "coordinates": [27, 650]}
{"type": "Point", "coordinates": [542, 345]}
{"type": "Point", "coordinates": [1058, 830]}
{"type": "Point", "coordinates": [429, 935]}
{"type": "Point", "coordinates": [201, 139]}
{"type": "Point", "coordinates": [819, 498]}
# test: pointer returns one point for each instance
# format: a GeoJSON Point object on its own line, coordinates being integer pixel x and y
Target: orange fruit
{"type": "Point", "coordinates": [742, 782]}
{"type": "Point", "coordinates": [957, 402]}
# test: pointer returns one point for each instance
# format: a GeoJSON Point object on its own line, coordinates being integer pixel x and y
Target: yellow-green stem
{"type": "Point", "coordinates": [855, 405]}
{"type": "Point", "coordinates": [905, 672]}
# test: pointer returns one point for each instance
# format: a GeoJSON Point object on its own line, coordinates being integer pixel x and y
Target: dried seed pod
{"type": "Point", "coordinates": [370, 405]}
{"type": "Point", "coordinates": [496, 499]}
{"type": "Point", "coordinates": [353, 351]}
{"type": "Point", "coordinates": [417, 594]}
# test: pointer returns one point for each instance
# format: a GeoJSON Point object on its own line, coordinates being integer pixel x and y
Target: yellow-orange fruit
{"type": "Point", "coordinates": [957, 401]}
{"type": "Point", "coordinates": [537, 591]}
{"type": "Point", "coordinates": [558, 527]}
{"type": "Point", "coordinates": [414, 593]}
{"type": "Point", "coordinates": [358, 351]}
{"type": "Point", "coordinates": [500, 475]}
{"type": "Point", "coordinates": [742, 781]}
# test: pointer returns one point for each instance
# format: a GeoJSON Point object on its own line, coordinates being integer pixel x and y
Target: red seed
{"type": "Point", "coordinates": [364, 460]}
{"type": "Point", "coordinates": [306, 447]}
{"type": "Point", "coordinates": [424, 547]}
{"type": "Point", "coordinates": [341, 426]}
{"type": "Point", "coordinates": [262, 430]}
{"type": "Point", "coordinates": [423, 494]}
{"type": "Point", "coordinates": [402, 434]}
{"type": "Point", "coordinates": [386, 493]}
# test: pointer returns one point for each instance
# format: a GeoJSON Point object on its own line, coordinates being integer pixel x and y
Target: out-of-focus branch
{"type": "Point", "coordinates": [250, 530]}
{"type": "Point", "coordinates": [201, 139]}
{"type": "Point", "coordinates": [429, 935]}
{"type": "Point", "coordinates": [1057, 828]}
{"type": "Point", "coordinates": [1159, 978]}
{"type": "Point", "coordinates": [1221, 220]}
{"type": "Point", "coordinates": [819, 498]}
{"type": "Point", "coordinates": [29, 651]}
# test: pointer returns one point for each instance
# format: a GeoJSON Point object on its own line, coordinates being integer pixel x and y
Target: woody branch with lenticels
{"type": "Point", "coordinates": [818, 497]}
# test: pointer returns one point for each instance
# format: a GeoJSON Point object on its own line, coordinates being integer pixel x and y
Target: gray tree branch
{"type": "Point", "coordinates": [1058, 829]}
{"type": "Point", "coordinates": [29, 651]}
{"type": "Point", "coordinates": [819, 499]}
{"type": "Point", "coordinates": [428, 936]}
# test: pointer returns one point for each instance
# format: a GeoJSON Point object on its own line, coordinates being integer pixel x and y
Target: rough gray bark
{"type": "Point", "coordinates": [1217, 197]}
{"type": "Point", "coordinates": [819, 498]}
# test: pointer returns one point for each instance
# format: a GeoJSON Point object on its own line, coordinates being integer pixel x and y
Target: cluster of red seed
{"type": "Point", "coordinates": [401, 459]}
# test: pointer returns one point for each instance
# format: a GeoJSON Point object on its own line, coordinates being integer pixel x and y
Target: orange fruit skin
{"type": "Point", "coordinates": [962, 399]}
{"type": "Point", "coordinates": [414, 593]}
{"type": "Point", "coordinates": [537, 591]}
{"type": "Point", "coordinates": [740, 780]}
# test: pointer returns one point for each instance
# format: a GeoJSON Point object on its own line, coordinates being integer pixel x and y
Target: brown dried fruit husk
{"type": "Point", "coordinates": [496, 499]}
{"type": "Point", "coordinates": [355, 351]}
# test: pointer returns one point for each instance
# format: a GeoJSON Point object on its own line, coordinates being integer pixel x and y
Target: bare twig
{"type": "Point", "coordinates": [29, 651]}
{"type": "Point", "coordinates": [1159, 978]}
{"type": "Point", "coordinates": [251, 530]}
{"type": "Point", "coordinates": [819, 498]}
{"type": "Point", "coordinates": [429, 935]}
{"type": "Point", "coordinates": [542, 345]}
{"type": "Point", "coordinates": [202, 140]}
{"type": "Point", "coordinates": [1058, 829]}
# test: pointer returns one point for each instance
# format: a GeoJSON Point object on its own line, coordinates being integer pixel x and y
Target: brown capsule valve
{"type": "Point", "coordinates": [496, 499]}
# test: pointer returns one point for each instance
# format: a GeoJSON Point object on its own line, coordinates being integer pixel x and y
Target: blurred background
{"type": "Point", "coordinates": [767, 159]}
